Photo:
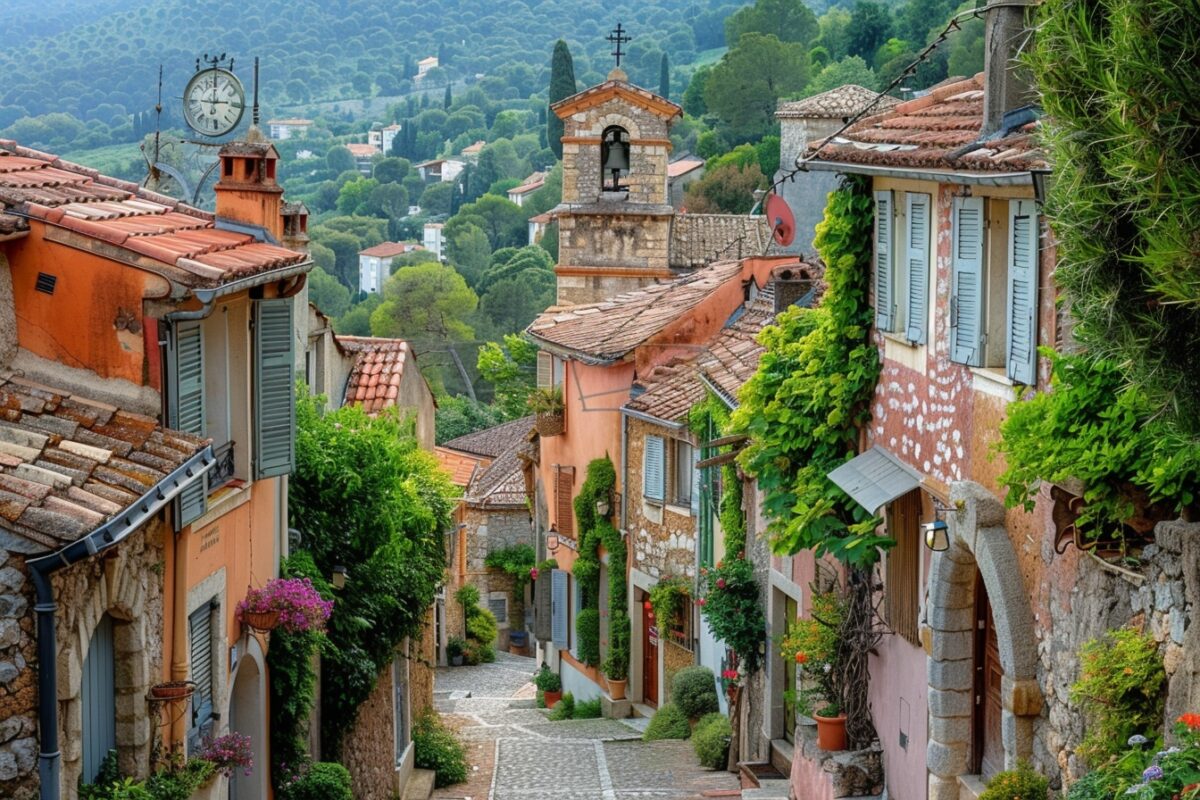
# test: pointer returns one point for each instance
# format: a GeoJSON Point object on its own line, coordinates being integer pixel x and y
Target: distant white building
{"type": "Point", "coordinates": [387, 135]}
{"type": "Point", "coordinates": [363, 155]}
{"type": "Point", "coordinates": [440, 169]}
{"type": "Point", "coordinates": [433, 238]}
{"type": "Point", "coordinates": [375, 263]}
{"type": "Point", "coordinates": [282, 129]}
{"type": "Point", "coordinates": [424, 65]}
{"type": "Point", "coordinates": [517, 194]}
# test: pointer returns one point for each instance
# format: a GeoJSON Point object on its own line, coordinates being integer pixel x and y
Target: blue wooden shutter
{"type": "Point", "coordinates": [98, 700]}
{"type": "Point", "coordinates": [185, 409]}
{"type": "Point", "coordinates": [652, 468]}
{"type": "Point", "coordinates": [1022, 291]}
{"type": "Point", "coordinates": [559, 614]}
{"type": "Point", "coordinates": [885, 290]}
{"type": "Point", "coordinates": [201, 664]}
{"type": "Point", "coordinates": [918, 216]}
{"type": "Point", "coordinates": [966, 298]}
{"type": "Point", "coordinates": [274, 389]}
{"type": "Point", "coordinates": [695, 451]}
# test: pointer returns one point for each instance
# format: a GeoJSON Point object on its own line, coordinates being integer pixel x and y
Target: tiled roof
{"type": "Point", "coordinates": [732, 357]}
{"type": "Point", "coordinates": [608, 330]}
{"type": "Point", "coordinates": [670, 391]}
{"type": "Point", "coordinates": [390, 249]}
{"type": "Point", "coordinates": [502, 484]}
{"type": "Point", "coordinates": [844, 101]}
{"type": "Point", "coordinates": [374, 381]}
{"type": "Point", "coordinates": [122, 214]}
{"type": "Point", "coordinates": [530, 184]}
{"type": "Point", "coordinates": [359, 150]}
{"type": "Point", "coordinates": [617, 85]}
{"type": "Point", "coordinates": [460, 466]}
{"type": "Point", "coordinates": [69, 464]}
{"type": "Point", "coordinates": [495, 441]}
{"type": "Point", "coordinates": [472, 149]}
{"type": "Point", "coordinates": [683, 166]}
{"type": "Point", "coordinates": [938, 131]}
{"type": "Point", "coordinates": [700, 239]}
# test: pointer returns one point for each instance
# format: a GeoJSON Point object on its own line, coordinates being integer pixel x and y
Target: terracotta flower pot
{"type": "Point", "coordinates": [261, 620]}
{"type": "Point", "coordinates": [617, 689]}
{"type": "Point", "coordinates": [172, 690]}
{"type": "Point", "coordinates": [831, 732]}
{"type": "Point", "coordinates": [552, 698]}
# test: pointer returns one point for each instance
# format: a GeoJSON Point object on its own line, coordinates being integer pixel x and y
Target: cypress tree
{"type": "Point", "coordinates": [664, 77]}
{"type": "Point", "coordinates": [448, 98]}
{"type": "Point", "coordinates": [562, 86]}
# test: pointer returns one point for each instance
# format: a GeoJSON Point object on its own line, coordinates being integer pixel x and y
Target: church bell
{"type": "Point", "coordinates": [616, 162]}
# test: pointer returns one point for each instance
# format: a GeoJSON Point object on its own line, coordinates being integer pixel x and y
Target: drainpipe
{"type": "Point", "coordinates": [107, 536]}
{"type": "Point", "coordinates": [624, 468]}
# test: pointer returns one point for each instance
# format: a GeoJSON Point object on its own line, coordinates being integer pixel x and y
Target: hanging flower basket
{"type": "Point", "coordinates": [291, 604]}
{"type": "Point", "coordinates": [172, 690]}
{"type": "Point", "coordinates": [550, 423]}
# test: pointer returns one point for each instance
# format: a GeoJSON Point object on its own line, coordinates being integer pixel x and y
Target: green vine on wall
{"type": "Point", "coordinates": [597, 531]}
{"type": "Point", "coordinates": [811, 396]}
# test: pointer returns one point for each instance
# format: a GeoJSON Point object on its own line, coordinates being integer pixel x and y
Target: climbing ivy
{"type": "Point", "coordinates": [805, 406]}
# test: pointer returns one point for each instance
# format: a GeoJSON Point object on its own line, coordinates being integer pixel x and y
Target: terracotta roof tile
{"type": "Point", "coordinates": [55, 489]}
{"type": "Point", "coordinates": [374, 381]}
{"type": "Point", "coordinates": [844, 101]}
{"type": "Point", "coordinates": [45, 187]}
{"type": "Point", "coordinates": [700, 239]}
{"type": "Point", "coordinates": [938, 131]}
{"type": "Point", "coordinates": [495, 441]}
{"type": "Point", "coordinates": [390, 249]}
{"type": "Point", "coordinates": [460, 466]}
{"type": "Point", "coordinates": [683, 166]}
{"type": "Point", "coordinates": [607, 331]}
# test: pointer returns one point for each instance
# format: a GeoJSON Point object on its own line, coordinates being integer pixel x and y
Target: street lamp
{"type": "Point", "coordinates": [937, 535]}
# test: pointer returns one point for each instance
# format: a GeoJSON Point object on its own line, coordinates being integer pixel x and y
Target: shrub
{"type": "Point", "coordinates": [229, 753]}
{"type": "Point", "coordinates": [322, 781]}
{"type": "Point", "coordinates": [1119, 691]}
{"type": "Point", "coordinates": [587, 625]}
{"type": "Point", "coordinates": [467, 597]}
{"type": "Point", "coordinates": [1021, 783]}
{"type": "Point", "coordinates": [180, 784]}
{"type": "Point", "coordinates": [667, 723]}
{"type": "Point", "coordinates": [616, 665]}
{"type": "Point", "coordinates": [482, 627]}
{"type": "Point", "coordinates": [587, 709]}
{"type": "Point", "coordinates": [300, 606]}
{"type": "Point", "coordinates": [546, 680]}
{"type": "Point", "coordinates": [437, 749]}
{"type": "Point", "coordinates": [711, 739]}
{"type": "Point", "coordinates": [564, 708]}
{"type": "Point", "coordinates": [455, 646]}
{"type": "Point", "coordinates": [694, 690]}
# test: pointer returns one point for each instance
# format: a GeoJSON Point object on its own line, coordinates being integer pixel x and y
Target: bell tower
{"type": "Point", "coordinates": [615, 219]}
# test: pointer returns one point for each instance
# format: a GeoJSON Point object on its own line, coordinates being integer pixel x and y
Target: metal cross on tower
{"type": "Point", "coordinates": [618, 38]}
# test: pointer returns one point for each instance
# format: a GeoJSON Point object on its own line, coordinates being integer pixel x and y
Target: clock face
{"type": "Point", "coordinates": [213, 102]}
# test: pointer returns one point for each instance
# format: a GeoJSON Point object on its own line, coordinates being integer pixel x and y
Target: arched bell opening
{"type": "Point", "coordinates": [614, 159]}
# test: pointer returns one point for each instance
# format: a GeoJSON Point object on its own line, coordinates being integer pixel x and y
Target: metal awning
{"type": "Point", "coordinates": [875, 478]}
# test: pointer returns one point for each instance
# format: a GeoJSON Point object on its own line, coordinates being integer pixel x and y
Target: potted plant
{"type": "Point", "coordinates": [546, 403]}
{"type": "Point", "coordinates": [618, 678]}
{"type": "Point", "coordinates": [292, 604]}
{"type": "Point", "coordinates": [812, 643]}
{"type": "Point", "coordinates": [172, 690]}
{"type": "Point", "coordinates": [454, 650]}
{"type": "Point", "coordinates": [549, 684]}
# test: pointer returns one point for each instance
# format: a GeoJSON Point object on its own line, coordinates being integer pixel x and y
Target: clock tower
{"type": "Point", "coordinates": [615, 218]}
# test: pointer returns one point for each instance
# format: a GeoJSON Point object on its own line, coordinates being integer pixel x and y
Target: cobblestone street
{"type": "Point", "coordinates": [516, 753]}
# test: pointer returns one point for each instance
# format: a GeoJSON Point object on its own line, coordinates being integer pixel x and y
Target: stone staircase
{"type": "Point", "coordinates": [420, 785]}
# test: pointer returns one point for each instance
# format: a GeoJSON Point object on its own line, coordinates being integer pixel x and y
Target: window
{"type": "Point", "coordinates": [550, 369]}
{"type": "Point", "coordinates": [564, 482]}
{"type": "Point", "coordinates": [902, 257]}
{"type": "Point", "coordinates": [653, 488]}
{"type": "Point", "coordinates": [498, 605]}
{"type": "Point", "coordinates": [683, 471]}
{"type": "Point", "coordinates": [559, 612]}
{"type": "Point", "coordinates": [186, 408]}
{"type": "Point", "coordinates": [901, 593]}
{"type": "Point", "coordinates": [202, 665]}
{"type": "Point", "coordinates": [993, 312]}
{"type": "Point", "coordinates": [274, 388]}
{"type": "Point", "coordinates": [97, 699]}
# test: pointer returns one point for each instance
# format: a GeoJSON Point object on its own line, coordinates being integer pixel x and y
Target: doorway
{"type": "Point", "coordinates": [649, 655]}
{"type": "Point", "coordinates": [987, 746]}
{"type": "Point", "coordinates": [246, 717]}
{"type": "Point", "coordinates": [791, 611]}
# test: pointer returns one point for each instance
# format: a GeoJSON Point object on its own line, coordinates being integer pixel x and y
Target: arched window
{"type": "Point", "coordinates": [614, 158]}
{"type": "Point", "coordinates": [98, 699]}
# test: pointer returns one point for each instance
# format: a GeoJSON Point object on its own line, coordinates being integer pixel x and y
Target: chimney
{"type": "Point", "coordinates": [247, 191]}
{"type": "Point", "coordinates": [1007, 85]}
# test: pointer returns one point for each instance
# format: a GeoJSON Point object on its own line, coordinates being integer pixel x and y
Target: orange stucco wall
{"type": "Point", "coordinates": [78, 325]}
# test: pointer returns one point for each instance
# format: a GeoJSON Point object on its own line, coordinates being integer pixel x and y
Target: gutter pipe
{"type": "Point", "coordinates": [107, 536]}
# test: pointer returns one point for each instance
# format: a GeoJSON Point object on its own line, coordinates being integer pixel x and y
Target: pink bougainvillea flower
{"type": "Point", "coordinates": [720, 583]}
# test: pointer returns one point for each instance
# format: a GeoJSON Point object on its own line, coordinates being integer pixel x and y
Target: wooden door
{"type": "Point", "coordinates": [649, 657]}
{"type": "Point", "coordinates": [987, 744]}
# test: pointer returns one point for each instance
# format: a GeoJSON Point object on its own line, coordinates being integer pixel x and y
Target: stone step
{"type": "Point", "coordinates": [420, 785]}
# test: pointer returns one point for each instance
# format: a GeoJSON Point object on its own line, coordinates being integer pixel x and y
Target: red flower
{"type": "Point", "coordinates": [648, 605]}
{"type": "Point", "coordinates": [1191, 720]}
{"type": "Point", "coordinates": [801, 658]}
{"type": "Point", "coordinates": [533, 573]}
{"type": "Point", "coordinates": [700, 601]}
{"type": "Point", "coordinates": [720, 583]}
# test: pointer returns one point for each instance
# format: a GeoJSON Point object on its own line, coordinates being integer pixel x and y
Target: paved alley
{"type": "Point", "coordinates": [516, 753]}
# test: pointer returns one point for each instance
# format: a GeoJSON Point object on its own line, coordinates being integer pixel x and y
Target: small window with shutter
{"type": "Point", "coordinates": [545, 370]}
{"type": "Point", "coordinates": [185, 408]}
{"type": "Point", "coordinates": [559, 611]}
{"type": "Point", "coordinates": [564, 517]}
{"type": "Point", "coordinates": [903, 568]}
{"type": "Point", "coordinates": [917, 216]}
{"type": "Point", "coordinates": [202, 663]}
{"type": "Point", "coordinates": [653, 469]}
{"type": "Point", "coordinates": [274, 388]}
{"type": "Point", "coordinates": [1022, 291]}
{"type": "Point", "coordinates": [966, 291]}
{"type": "Point", "coordinates": [885, 272]}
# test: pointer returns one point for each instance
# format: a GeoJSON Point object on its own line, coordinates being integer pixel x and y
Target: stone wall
{"type": "Point", "coordinates": [369, 752]}
{"type": "Point", "coordinates": [125, 583]}
{"type": "Point", "coordinates": [488, 530]}
{"type": "Point", "coordinates": [649, 151]}
{"type": "Point", "coordinates": [663, 537]}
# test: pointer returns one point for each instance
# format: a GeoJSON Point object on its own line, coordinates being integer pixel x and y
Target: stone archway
{"type": "Point", "coordinates": [978, 542]}
{"type": "Point", "coordinates": [247, 704]}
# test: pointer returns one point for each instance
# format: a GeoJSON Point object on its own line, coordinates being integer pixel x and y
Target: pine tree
{"type": "Point", "coordinates": [562, 86]}
{"type": "Point", "coordinates": [664, 77]}
{"type": "Point", "coordinates": [448, 99]}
